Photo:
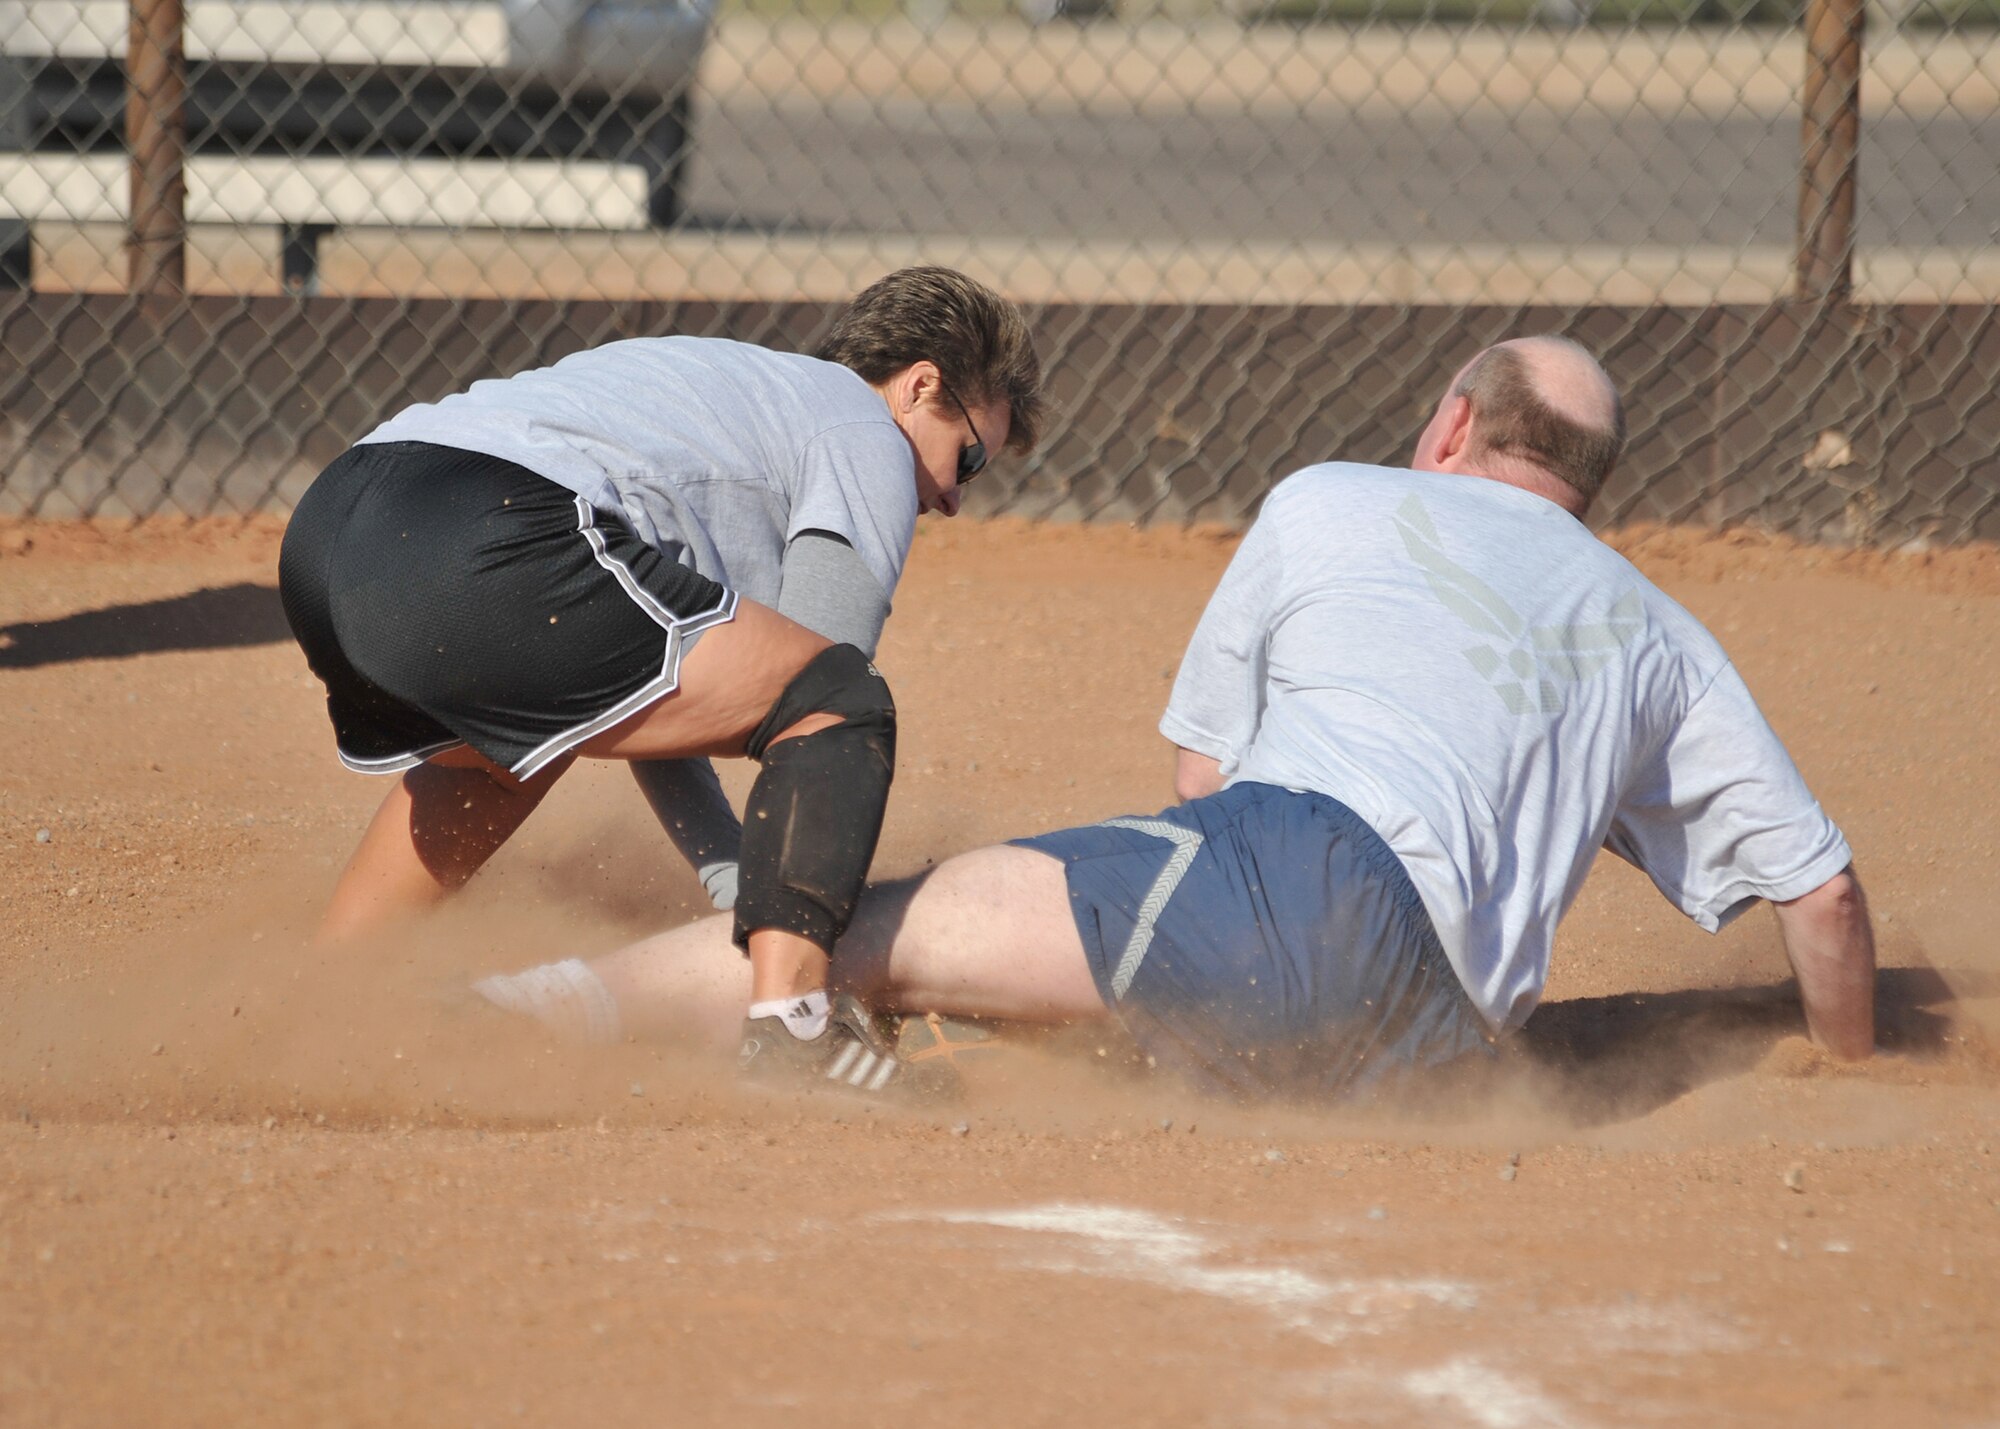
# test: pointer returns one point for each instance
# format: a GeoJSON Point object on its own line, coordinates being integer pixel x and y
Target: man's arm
{"type": "Point", "coordinates": [1218, 696]}
{"type": "Point", "coordinates": [1831, 945]}
{"type": "Point", "coordinates": [1720, 817]}
{"type": "Point", "coordinates": [1196, 776]}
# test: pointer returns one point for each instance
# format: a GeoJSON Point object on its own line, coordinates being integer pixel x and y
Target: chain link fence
{"type": "Point", "coordinates": [234, 234]}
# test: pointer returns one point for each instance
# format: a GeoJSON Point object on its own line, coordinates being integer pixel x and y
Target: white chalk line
{"type": "Point", "coordinates": [1129, 1244]}
{"type": "Point", "coordinates": [1487, 1397]}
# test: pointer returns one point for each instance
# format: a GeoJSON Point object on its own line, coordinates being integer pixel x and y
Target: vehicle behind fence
{"type": "Point", "coordinates": [1253, 234]}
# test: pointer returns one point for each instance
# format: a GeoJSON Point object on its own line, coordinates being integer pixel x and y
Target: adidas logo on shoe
{"type": "Point", "coordinates": [851, 1052]}
{"type": "Point", "coordinates": [860, 1067]}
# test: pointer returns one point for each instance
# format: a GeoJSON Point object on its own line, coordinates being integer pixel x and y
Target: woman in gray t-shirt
{"type": "Point", "coordinates": [646, 552]}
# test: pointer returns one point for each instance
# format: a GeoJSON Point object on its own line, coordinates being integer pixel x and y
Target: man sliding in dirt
{"type": "Point", "coordinates": [1416, 706]}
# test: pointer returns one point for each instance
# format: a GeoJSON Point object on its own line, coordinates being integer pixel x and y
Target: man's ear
{"type": "Point", "coordinates": [1454, 432]}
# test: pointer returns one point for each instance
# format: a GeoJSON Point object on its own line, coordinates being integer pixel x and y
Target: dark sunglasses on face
{"type": "Point", "coordinates": [972, 459]}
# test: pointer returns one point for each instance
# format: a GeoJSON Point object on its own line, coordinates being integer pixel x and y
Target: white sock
{"type": "Point", "coordinates": [804, 1017]}
{"type": "Point", "coordinates": [566, 997]}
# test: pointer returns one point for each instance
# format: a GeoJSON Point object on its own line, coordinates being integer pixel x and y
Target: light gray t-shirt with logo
{"type": "Point", "coordinates": [1498, 694]}
{"type": "Point", "coordinates": [718, 452]}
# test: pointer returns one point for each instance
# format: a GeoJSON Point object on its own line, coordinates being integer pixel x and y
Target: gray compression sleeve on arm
{"type": "Point", "coordinates": [828, 589]}
{"type": "Point", "coordinates": [688, 801]}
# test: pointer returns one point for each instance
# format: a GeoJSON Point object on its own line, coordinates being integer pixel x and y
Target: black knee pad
{"type": "Point", "coordinates": [815, 812]}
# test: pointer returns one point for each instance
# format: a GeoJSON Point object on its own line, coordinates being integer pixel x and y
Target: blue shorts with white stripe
{"type": "Point", "coordinates": [1265, 941]}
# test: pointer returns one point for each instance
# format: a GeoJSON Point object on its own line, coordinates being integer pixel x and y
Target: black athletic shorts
{"type": "Point", "coordinates": [448, 598]}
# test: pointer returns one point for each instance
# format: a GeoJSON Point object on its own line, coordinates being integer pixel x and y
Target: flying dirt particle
{"type": "Point", "coordinates": [1795, 1179]}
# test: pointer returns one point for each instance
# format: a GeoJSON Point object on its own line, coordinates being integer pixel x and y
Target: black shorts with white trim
{"type": "Point", "coordinates": [445, 597]}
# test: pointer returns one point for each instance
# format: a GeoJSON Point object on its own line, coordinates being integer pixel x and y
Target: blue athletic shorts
{"type": "Point", "coordinates": [1267, 941]}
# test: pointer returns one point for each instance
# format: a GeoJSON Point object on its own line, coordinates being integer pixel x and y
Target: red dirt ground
{"type": "Point", "coordinates": [241, 1180]}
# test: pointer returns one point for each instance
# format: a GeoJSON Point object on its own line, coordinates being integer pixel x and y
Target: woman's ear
{"type": "Point", "coordinates": [923, 382]}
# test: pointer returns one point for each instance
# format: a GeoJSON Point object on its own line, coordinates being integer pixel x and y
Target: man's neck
{"type": "Point", "coordinates": [1524, 476]}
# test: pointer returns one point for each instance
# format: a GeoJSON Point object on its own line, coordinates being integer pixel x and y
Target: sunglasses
{"type": "Point", "coordinates": [972, 459]}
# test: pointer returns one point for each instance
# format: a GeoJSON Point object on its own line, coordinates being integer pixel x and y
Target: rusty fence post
{"type": "Point", "coordinates": [1830, 147]}
{"type": "Point", "coordinates": [156, 139]}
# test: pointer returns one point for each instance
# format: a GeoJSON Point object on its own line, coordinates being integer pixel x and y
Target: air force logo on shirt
{"type": "Point", "coordinates": [1529, 667]}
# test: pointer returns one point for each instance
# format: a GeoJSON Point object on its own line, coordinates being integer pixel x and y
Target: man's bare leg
{"type": "Point", "coordinates": [986, 934]}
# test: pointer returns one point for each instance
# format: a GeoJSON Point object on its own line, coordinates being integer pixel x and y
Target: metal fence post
{"type": "Point", "coordinates": [1830, 147]}
{"type": "Point", "coordinates": [156, 139]}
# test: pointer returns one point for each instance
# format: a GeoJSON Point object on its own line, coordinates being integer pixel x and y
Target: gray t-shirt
{"type": "Point", "coordinates": [1498, 694]}
{"type": "Point", "coordinates": [717, 452]}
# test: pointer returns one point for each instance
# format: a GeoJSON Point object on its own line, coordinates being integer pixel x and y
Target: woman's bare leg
{"type": "Point", "coordinates": [729, 680]}
{"type": "Point", "coordinates": [447, 817]}
{"type": "Point", "coordinates": [436, 829]}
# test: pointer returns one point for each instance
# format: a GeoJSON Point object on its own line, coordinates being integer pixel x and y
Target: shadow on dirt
{"type": "Point", "coordinates": [1609, 1059]}
{"type": "Point", "coordinates": [218, 619]}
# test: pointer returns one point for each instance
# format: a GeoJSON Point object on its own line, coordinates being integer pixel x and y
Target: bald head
{"type": "Point", "coordinates": [1542, 402]}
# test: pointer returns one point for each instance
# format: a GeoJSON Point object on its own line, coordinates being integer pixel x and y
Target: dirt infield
{"type": "Point", "coordinates": [244, 1181]}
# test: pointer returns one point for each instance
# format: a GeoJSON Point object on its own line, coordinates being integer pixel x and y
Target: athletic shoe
{"type": "Point", "coordinates": [852, 1052]}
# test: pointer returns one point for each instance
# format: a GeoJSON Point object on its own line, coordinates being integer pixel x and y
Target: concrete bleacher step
{"type": "Point", "coordinates": [469, 34]}
{"type": "Point", "coordinates": [721, 266]}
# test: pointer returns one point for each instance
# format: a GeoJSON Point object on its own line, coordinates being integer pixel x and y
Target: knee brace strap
{"type": "Point", "coordinates": [815, 812]}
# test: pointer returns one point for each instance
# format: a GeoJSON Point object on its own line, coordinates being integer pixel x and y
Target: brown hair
{"type": "Point", "coordinates": [978, 339]}
{"type": "Point", "coordinates": [1510, 418]}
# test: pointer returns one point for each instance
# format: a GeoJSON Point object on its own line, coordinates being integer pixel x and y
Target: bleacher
{"type": "Point", "coordinates": [308, 116]}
